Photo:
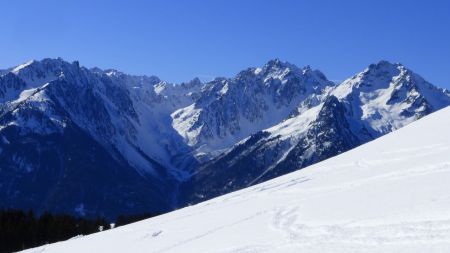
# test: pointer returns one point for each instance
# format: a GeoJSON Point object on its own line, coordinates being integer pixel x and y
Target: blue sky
{"type": "Point", "coordinates": [178, 40]}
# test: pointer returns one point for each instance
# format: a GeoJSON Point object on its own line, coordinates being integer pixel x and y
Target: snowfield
{"type": "Point", "coordinates": [390, 195]}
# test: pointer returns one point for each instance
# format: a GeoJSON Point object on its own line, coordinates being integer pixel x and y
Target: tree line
{"type": "Point", "coordinates": [21, 230]}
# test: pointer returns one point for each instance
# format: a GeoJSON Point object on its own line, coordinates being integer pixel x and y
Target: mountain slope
{"type": "Point", "coordinates": [390, 195]}
{"type": "Point", "coordinates": [229, 110]}
{"type": "Point", "coordinates": [53, 172]}
{"type": "Point", "coordinates": [85, 142]}
{"type": "Point", "coordinates": [382, 98]}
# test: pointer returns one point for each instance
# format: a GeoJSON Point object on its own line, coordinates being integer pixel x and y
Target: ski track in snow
{"type": "Point", "coordinates": [287, 221]}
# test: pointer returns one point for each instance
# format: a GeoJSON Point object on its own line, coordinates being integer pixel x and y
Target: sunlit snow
{"type": "Point", "coordinates": [390, 195]}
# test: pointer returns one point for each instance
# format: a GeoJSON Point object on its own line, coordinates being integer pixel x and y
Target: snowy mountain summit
{"type": "Point", "coordinates": [95, 142]}
{"type": "Point", "coordinates": [390, 195]}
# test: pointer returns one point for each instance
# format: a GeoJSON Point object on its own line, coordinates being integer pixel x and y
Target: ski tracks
{"type": "Point", "coordinates": [288, 221]}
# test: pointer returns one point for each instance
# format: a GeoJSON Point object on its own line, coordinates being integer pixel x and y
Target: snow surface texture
{"type": "Point", "coordinates": [390, 195]}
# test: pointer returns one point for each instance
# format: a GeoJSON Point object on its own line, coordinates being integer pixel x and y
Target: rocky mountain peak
{"type": "Point", "coordinates": [276, 63]}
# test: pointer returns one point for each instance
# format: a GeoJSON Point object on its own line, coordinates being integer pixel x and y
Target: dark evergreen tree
{"type": "Point", "coordinates": [21, 230]}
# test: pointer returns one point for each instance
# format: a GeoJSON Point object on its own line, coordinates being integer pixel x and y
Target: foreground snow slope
{"type": "Point", "coordinates": [390, 195]}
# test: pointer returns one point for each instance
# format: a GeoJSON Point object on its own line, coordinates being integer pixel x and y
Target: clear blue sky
{"type": "Point", "coordinates": [178, 40]}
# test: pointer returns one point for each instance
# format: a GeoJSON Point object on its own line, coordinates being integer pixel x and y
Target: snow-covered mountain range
{"type": "Point", "coordinates": [101, 142]}
{"type": "Point", "coordinates": [382, 98]}
{"type": "Point", "coordinates": [389, 195]}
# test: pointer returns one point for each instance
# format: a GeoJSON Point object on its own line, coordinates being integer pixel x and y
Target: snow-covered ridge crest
{"type": "Point", "coordinates": [21, 66]}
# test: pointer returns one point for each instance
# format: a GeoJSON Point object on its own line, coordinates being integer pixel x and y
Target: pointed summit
{"type": "Point", "coordinates": [384, 67]}
{"type": "Point", "coordinates": [384, 63]}
{"type": "Point", "coordinates": [276, 64]}
{"type": "Point", "coordinates": [194, 82]}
